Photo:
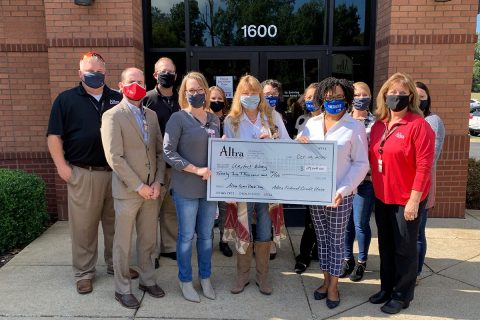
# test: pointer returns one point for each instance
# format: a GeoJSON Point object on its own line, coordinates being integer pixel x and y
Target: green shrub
{"type": "Point", "coordinates": [23, 210]}
{"type": "Point", "coordinates": [473, 184]}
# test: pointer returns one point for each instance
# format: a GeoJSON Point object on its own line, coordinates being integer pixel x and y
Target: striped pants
{"type": "Point", "coordinates": [330, 225]}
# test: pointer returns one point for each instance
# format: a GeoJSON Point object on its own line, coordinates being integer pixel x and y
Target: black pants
{"type": "Point", "coordinates": [397, 243]}
{"type": "Point", "coordinates": [308, 243]}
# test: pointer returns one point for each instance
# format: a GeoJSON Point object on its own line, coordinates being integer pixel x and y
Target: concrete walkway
{"type": "Point", "coordinates": [38, 284]}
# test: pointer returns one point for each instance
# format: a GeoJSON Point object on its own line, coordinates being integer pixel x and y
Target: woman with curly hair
{"type": "Point", "coordinates": [330, 222]}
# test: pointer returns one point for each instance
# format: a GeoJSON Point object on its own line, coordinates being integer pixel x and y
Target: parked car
{"type": "Point", "coordinates": [474, 103]}
{"type": "Point", "coordinates": [474, 121]}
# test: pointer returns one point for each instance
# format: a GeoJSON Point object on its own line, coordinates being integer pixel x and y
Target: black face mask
{"type": "Point", "coordinates": [423, 104]}
{"type": "Point", "coordinates": [166, 80]}
{"type": "Point", "coordinates": [397, 103]}
{"type": "Point", "coordinates": [217, 106]}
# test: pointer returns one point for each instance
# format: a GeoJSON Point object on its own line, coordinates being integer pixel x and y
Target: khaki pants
{"type": "Point", "coordinates": [143, 215]}
{"type": "Point", "coordinates": [167, 218]}
{"type": "Point", "coordinates": [89, 202]}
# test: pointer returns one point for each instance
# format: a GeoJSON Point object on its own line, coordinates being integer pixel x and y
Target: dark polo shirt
{"type": "Point", "coordinates": [76, 117]}
{"type": "Point", "coordinates": [163, 106]}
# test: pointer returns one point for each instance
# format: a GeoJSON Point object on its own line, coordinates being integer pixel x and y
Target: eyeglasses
{"type": "Point", "coordinates": [194, 92]}
{"type": "Point", "coordinates": [92, 54]}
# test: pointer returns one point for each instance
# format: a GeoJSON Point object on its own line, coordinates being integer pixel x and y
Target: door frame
{"type": "Point", "coordinates": [324, 67]}
{"type": "Point", "coordinates": [196, 56]}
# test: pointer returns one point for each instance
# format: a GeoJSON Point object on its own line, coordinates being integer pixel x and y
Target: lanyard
{"type": "Point", "coordinates": [380, 148]}
{"type": "Point", "coordinates": [95, 105]}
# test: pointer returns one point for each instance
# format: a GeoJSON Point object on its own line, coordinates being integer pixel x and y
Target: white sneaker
{"type": "Point", "coordinates": [207, 288]}
{"type": "Point", "coordinates": [189, 292]}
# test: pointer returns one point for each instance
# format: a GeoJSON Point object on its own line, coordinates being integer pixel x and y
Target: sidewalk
{"type": "Point", "coordinates": [38, 284]}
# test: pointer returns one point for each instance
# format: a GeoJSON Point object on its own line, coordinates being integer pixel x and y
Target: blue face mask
{"type": "Point", "coordinates": [196, 100]}
{"type": "Point", "coordinates": [250, 102]}
{"type": "Point", "coordinates": [334, 106]}
{"type": "Point", "coordinates": [310, 106]}
{"type": "Point", "coordinates": [361, 104]}
{"type": "Point", "coordinates": [273, 101]}
{"type": "Point", "coordinates": [94, 79]}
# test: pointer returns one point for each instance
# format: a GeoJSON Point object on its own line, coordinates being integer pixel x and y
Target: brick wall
{"type": "Point", "coordinates": [25, 92]}
{"type": "Point", "coordinates": [434, 43]}
{"type": "Point", "coordinates": [41, 43]}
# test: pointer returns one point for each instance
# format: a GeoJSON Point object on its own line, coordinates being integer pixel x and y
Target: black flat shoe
{"type": "Point", "coordinates": [380, 297]}
{"type": "Point", "coordinates": [171, 255]}
{"type": "Point", "coordinates": [394, 306]}
{"type": "Point", "coordinates": [347, 267]}
{"type": "Point", "coordinates": [225, 249]}
{"type": "Point", "coordinates": [358, 272]}
{"type": "Point", "coordinates": [332, 304]}
{"type": "Point", "coordinates": [300, 267]}
{"type": "Point", "coordinates": [317, 295]}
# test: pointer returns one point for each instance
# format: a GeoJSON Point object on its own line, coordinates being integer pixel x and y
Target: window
{"type": "Point", "coordinates": [168, 24]}
{"type": "Point", "coordinates": [217, 23]}
{"type": "Point", "coordinates": [351, 22]}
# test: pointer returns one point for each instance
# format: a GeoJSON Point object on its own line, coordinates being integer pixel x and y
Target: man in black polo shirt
{"type": "Point", "coordinates": [75, 144]}
{"type": "Point", "coordinates": [164, 101]}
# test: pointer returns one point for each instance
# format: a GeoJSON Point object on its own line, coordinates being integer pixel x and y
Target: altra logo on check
{"type": "Point", "coordinates": [230, 152]}
{"type": "Point", "coordinates": [400, 135]}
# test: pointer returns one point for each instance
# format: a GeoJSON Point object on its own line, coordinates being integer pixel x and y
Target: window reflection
{"type": "Point", "coordinates": [261, 22]}
{"type": "Point", "coordinates": [351, 22]}
{"type": "Point", "coordinates": [215, 23]}
{"type": "Point", "coordinates": [168, 24]}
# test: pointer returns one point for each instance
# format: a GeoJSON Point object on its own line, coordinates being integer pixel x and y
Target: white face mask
{"type": "Point", "coordinates": [250, 102]}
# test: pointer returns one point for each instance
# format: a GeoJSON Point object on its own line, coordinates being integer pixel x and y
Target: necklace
{"type": "Point", "coordinates": [200, 118]}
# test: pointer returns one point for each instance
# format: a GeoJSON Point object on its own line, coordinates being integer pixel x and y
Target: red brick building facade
{"type": "Point", "coordinates": [41, 43]}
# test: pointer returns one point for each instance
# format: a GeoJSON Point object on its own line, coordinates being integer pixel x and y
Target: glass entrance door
{"type": "Point", "coordinates": [296, 71]}
{"type": "Point", "coordinates": [225, 69]}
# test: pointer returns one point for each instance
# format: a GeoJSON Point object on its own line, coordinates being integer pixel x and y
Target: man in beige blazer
{"type": "Point", "coordinates": [132, 141]}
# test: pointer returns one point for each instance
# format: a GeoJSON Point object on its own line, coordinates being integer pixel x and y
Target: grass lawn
{"type": "Point", "coordinates": [475, 95]}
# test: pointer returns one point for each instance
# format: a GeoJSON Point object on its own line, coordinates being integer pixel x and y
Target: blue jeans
{"type": "Point", "coordinates": [422, 240]}
{"type": "Point", "coordinates": [195, 215]}
{"type": "Point", "coordinates": [263, 230]}
{"type": "Point", "coordinates": [359, 223]}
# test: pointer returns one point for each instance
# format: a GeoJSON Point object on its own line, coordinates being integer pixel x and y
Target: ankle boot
{"type": "Point", "coordinates": [243, 270]}
{"type": "Point", "coordinates": [262, 259]}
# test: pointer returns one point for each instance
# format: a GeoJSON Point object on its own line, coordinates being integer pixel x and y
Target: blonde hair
{"type": "Point", "coordinates": [250, 83]}
{"type": "Point", "coordinates": [93, 58]}
{"type": "Point", "coordinates": [382, 111]}
{"type": "Point", "coordinates": [222, 93]}
{"type": "Point", "coordinates": [182, 92]}
{"type": "Point", "coordinates": [362, 86]}
{"type": "Point", "coordinates": [164, 59]}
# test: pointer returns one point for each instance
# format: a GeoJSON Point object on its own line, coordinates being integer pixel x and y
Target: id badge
{"type": "Point", "coordinates": [380, 165]}
{"type": "Point", "coordinates": [211, 133]}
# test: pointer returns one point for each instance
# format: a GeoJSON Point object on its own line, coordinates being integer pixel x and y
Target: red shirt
{"type": "Point", "coordinates": [407, 158]}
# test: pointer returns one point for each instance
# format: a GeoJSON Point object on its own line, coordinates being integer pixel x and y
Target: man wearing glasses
{"type": "Point", "coordinates": [74, 142]}
{"type": "Point", "coordinates": [163, 99]}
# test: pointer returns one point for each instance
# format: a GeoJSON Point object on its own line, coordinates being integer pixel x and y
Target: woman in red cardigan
{"type": "Point", "coordinates": [401, 157]}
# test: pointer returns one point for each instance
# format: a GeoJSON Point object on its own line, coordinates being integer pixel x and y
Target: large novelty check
{"type": "Point", "coordinates": [269, 171]}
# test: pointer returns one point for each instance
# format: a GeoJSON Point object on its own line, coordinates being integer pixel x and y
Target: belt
{"type": "Point", "coordinates": [92, 168]}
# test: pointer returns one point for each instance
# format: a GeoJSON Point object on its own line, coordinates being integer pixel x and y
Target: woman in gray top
{"type": "Point", "coordinates": [185, 147]}
{"type": "Point", "coordinates": [437, 125]}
